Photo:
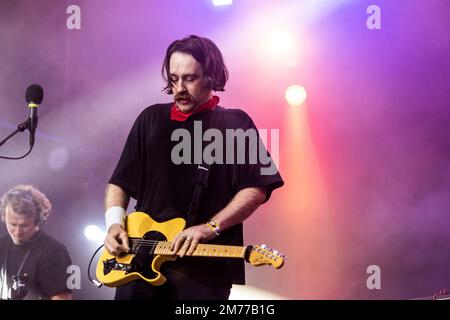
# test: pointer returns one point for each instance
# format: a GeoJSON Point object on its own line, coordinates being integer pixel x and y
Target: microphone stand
{"type": "Point", "coordinates": [20, 128]}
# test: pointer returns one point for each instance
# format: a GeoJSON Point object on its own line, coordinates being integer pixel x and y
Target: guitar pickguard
{"type": "Point", "coordinates": [141, 262]}
{"type": "Point", "coordinates": [144, 254]}
{"type": "Point", "coordinates": [142, 249]}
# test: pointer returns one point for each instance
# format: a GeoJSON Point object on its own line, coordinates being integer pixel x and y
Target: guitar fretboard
{"type": "Point", "coordinates": [205, 250]}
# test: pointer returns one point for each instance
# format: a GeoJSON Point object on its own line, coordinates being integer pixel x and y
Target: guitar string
{"type": "Point", "coordinates": [137, 245]}
{"type": "Point", "coordinates": [152, 244]}
{"type": "Point", "coordinates": [144, 244]}
{"type": "Point", "coordinates": [152, 250]}
{"type": "Point", "coordinates": [157, 241]}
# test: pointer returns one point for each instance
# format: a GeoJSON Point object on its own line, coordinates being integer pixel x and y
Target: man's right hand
{"type": "Point", "coordinates": [116, 241]}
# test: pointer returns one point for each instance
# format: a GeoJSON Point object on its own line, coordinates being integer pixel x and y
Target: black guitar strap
{"type": "Point", "coordinates": [200, 180]}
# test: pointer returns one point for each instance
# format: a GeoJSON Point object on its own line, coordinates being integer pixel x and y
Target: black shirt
{"type": "Point", "coordinates": [45, 266]}
{"type": "Point", "coordinates": [163, 189]}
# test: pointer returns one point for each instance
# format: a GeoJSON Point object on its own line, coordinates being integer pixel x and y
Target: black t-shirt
{"type": "Point", "coordinates": [45, 266]}
{"type": "Point", "coordinates": [163, 189]}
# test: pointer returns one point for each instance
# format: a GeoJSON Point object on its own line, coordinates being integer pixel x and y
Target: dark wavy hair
{"type": "Point", "coordinates": [206, 53]}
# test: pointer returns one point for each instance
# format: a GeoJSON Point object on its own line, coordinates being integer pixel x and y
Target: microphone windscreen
{"type": "Point", "coordinates": [34, 94]}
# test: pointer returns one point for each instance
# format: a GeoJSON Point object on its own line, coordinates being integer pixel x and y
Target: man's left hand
{"type": "Point", "coordinates": [186, 241]}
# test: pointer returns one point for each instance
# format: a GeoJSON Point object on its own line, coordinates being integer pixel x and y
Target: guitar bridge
{"type": "Point", "coordinates": [112, 264]}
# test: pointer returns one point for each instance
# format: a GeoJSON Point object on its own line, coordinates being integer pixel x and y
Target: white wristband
{"type": "Point", "coordinates": [114, 215]}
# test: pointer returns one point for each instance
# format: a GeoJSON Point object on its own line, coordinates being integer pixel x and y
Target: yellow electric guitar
{"type": "Point", "coordinates": [150, 247]}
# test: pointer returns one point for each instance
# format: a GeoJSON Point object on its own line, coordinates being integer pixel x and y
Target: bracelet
{"type": "Point", "coordinates": [214, 226]}
{"type": "Point", "coordinates": [114, 215]}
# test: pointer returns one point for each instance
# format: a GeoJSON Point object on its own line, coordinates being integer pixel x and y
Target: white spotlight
{"type": "Point", "coordinates": [219, 3]}
{"type": "Point", "coordinates": [94, 234]}
{"type": "Point", "coordinates": [278, 46]}
{"type": "Point", "coordinates": [295, 95]}
{"type": "Point", "coordinates": [281, 41]}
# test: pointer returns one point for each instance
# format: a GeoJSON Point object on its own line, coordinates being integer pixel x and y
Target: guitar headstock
{"type": "Point", "coordinates": [261, 255]}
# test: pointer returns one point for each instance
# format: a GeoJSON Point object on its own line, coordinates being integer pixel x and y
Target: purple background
{"type": "Point", "coordinates": [366, 168]}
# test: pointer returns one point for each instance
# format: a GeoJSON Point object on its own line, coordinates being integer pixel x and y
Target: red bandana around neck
{"type": "Point", "coordinates": [177, 115]}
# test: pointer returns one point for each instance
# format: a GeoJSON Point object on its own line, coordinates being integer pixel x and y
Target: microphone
{"type": "Point", "coordinates": [34, 96]}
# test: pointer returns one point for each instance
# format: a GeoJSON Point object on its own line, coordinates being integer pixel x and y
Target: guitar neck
{"type": "Point", "coordinates": [205, 250]}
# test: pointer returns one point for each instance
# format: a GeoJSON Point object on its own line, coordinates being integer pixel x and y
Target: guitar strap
{"type": "Point", "coordinates": [200, 180]}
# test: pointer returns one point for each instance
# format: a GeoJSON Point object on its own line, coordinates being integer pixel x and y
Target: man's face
{"type": "Point", "coordinates": [20, 227]}
{"type": "Point", "coordinates": [188, 85]}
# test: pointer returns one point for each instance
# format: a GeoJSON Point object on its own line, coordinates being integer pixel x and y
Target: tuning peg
{"type": "Point", "coordinates": [275, 252]}
{"type": "Point", "coordinates": [264, 246]}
